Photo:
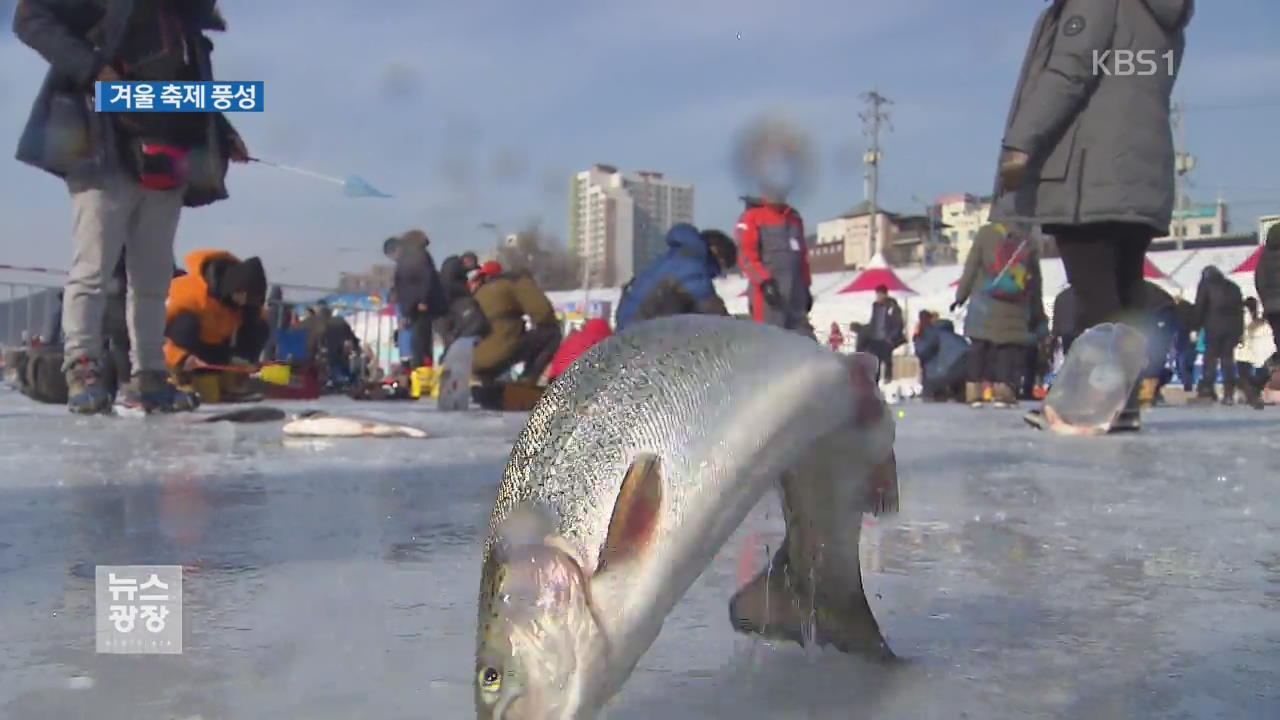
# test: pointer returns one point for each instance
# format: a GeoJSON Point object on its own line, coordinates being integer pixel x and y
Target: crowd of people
{"type": "Point", "coordinates": [134, 326]}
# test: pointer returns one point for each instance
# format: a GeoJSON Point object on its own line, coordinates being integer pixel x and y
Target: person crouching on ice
{"type": "Point", "coordinates": [215, 319]}
{"type": "Point", "coordinates": [680, 281]}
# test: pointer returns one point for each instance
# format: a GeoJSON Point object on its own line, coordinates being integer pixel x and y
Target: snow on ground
{"type": "Point", "coordinates": [1026, 576]}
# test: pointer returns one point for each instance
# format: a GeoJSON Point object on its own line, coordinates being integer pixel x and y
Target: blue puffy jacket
{"type": "Point", "coordinates": [678, 283]}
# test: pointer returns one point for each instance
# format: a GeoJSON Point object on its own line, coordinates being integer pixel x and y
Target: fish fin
{"type": "Point", "coordinates": [635, 514]}
{"type": "Point", "coordinates": [865, 364]}
{"type": "Point", "coordinates": [780, 605]}
{"type": "Point", "coordinates": [862, 368]}
{"type": "Point", "coordinates": [882, 486]}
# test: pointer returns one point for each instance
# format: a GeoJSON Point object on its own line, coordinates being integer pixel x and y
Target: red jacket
{"type": "Point", "coordinates": [579, 341]}
{"type": "Point", "coordinates": [772, 247]}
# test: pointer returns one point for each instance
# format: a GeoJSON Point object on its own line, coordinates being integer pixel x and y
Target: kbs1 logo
{"type": "Point", "coordinates": [1128, 63]}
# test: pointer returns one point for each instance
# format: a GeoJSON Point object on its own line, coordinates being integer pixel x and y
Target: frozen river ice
{"type": "Point", "coordinates": [1027, 576]}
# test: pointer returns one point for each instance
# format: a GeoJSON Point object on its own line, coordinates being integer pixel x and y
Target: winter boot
{"type": "Point", "coordinates": [1147, 393]}
{"type": "Point", "coordinates": [1130, 418]}
{"type": "Point", "coordinates": [973, 394]}
{"type": "Point", "coordinates": [153, 391]}
{"type": "Point", "coordinates": [87, 392]}
{"type": "Point", "coordinates": [1003, 396]}
{"type": "Point", "coordinates": [1228, 395]}
{"type": "Point", "coordinates": [1252, 393]}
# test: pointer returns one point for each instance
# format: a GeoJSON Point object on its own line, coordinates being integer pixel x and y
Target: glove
{"type": "Point", "coordinates": [773, 296]}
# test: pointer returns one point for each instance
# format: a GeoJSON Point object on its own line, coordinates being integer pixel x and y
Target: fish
{"type": "Point", "coordinates": [316, 423]}
{"type": "Point", "coordinates": [632, 472]}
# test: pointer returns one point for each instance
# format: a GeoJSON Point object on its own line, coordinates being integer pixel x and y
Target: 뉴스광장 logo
{"type": "Point", "coordinates": [138, 609]}
{"type": "Point", "coordinates": [175, 97]}
{"type": "Point", "coordinates": [1128, 63]}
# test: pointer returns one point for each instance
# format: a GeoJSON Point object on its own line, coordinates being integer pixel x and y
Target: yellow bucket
{"type": "Point", "coordinates": [275, 374]}
{"type": "Point", "coordinates": [422, 382]}
{"type": "Point", "coordinates": [208, 386]}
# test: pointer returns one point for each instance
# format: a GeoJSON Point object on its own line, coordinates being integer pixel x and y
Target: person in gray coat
{"type": "Point", "coordinates": [1266, 277]}
{"type": "Point", "coordinates": [1087, 151]}
{"type": "Point", "coordinates": [1003, 286]}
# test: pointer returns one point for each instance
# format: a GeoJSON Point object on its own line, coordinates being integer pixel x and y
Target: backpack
{"type": "Point", "coordinates": [1011, 272]}
{"type": "Point", "coordinates": [41, 377]}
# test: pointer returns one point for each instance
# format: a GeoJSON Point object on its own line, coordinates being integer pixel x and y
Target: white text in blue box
{"type": "Point", "coordinates": [179, 97]}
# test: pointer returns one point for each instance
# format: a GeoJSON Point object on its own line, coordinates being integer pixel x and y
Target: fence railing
{"type": "Point", "coordinates": [26, 311]}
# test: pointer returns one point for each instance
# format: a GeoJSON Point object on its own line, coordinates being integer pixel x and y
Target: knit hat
{"type": "Point", "coordinates": [490, 269]}
{"type": "Point", "coordinates": [246, 276]}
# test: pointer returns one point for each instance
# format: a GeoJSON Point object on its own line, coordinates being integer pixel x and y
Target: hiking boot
{"type": "Point", "coordinates": [973, 394]}
{"type": "Point", "coordinates": [1003, 396]}
{"type": "Point", "coordinates": [87, 393]}
{"type": "Point", "coordinates": [153, 391]}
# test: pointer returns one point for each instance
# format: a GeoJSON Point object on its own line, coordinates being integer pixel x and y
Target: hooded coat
{"type": "Point", "coordinates": [678, 283]}
{"type": "Point", "coordinates": [416, 278]}
{"type": "Point", "coordinates": [63, 137]}
{"type": "Point", "coordinates": [506, 300]}
{"type": "Point", "coordinates": [1098, 137]}
{"type": "Point", "coordinates": [199, 318]}
{"type": "Point", "coordinates": [997, 321]}
{"type": "Point", "coordinates": [1266, 277]}
{"type": "Point", "coordinates": [941, 350]}
{"type": "Point", "coordinates": [1219, 305]}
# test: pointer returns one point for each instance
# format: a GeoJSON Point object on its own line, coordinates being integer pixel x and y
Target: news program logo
{"type": "Point", "coordinates": [178, 97]}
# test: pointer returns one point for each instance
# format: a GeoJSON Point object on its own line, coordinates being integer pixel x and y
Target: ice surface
{"type": "Point", "coordinates": [1028, 575]}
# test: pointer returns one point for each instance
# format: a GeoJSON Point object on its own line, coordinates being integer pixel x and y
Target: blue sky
{"type": "Point", "coordinates": [479, 112]}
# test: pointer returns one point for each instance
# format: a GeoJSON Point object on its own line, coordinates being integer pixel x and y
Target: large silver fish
{"type": "Point", "coordinates": [634, 469]}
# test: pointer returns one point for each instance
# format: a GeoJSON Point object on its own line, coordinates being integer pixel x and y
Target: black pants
{"type": "Point", "coordinates": [1104, 264]}
{"type": "Point", "coordinates": [537, 348]}
{"type": "Point", "coordinates": [421, 339]}
{"type": "Point", "coordinates": [1219, 349]}
{"type": "Point", "coordinates": [1031, 369]}
{"type": "Point", "coordinates": [884, 353]}
{"type": "Point", "coordinates": [989, 362]}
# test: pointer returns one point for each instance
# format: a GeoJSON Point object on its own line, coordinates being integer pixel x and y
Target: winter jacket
{"type": "Point", "coordinates": [1099, 140]}
{"type": "Point", "coordinates": [887, 323]}
{"type": "Point", "coordinates": [677, 283]}
{"type": "Point", "coordinates": [988, 318]}
{"type": "Point", "coordinates": [64, 137]}
{"type": "Point", "coordinates": [1257, 345]}
{"type": "Point", "coordinates": [941, 350]}
{"type": "Point", "coordinates": [592, 333]}
{"type": "Point", "coordinates": [1219, 305]}
{"type": "Point", "coordinates": [198, 319]}
{"type": "Point", "coordinates": [464, 319]}
{"type": "Point", "coordinates": [454, 277]}
{"type": "Point", "coordinates": [417, 281]}
{"type": "Point", "coordinates": [506, 300]}
{"type": "Point", "coordinates": [772, 247]}
{"type": "Point", "coordinates": [1266, 277]}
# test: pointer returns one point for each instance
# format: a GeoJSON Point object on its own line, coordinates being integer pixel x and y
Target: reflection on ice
{"type": "Point", "coordinates": [1026, 576]}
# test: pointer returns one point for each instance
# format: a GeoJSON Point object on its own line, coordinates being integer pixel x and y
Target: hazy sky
{"type": "Point", "coordinates": [475, 112]}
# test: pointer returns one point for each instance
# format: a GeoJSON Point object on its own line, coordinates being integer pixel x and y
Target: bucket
{"type": "Point", "coordinates": [422, 382]}
{"type": "Point", "coordinates": [208, 386]}
{"type": "Point", "coordinates": [275, 374]}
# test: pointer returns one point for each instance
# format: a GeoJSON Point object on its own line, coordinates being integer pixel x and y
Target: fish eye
{"type": "Point", "coordinates": [490, 680]}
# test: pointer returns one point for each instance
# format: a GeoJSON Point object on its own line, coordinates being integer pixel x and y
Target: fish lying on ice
{"type": "Point", "coordinates": [315, 423]}
{"type": "Point", "coordinates": [631, 473]}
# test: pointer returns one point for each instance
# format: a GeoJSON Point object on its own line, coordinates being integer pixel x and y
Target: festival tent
{"type": "Point", "coordinates": [1151, 271]}
{"type": "Point", "coordinates": [877, 273]}
{"type": "Point", "coordinates": [1250, 263]}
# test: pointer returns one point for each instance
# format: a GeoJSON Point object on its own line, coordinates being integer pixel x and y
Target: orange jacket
{"type": "Point", "coordinates": [190, 294]}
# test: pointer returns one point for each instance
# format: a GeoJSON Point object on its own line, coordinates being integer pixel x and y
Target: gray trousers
{"type": "Point", "coordinates": [121, 214]}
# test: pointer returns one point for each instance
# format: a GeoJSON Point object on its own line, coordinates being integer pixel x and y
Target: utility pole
{"type": "Point", "coordinates": [873, 119]}
{"type": "Point", "coordinates": [1184, 162]}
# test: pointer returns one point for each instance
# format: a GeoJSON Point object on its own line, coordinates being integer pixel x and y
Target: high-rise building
{"type": "Point", "coordinates": [618, 221]}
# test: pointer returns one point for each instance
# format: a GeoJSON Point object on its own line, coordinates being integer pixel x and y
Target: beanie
{"type": "Point", "coordinates": [246, 276]}
{"type": "Point", "coordinates": [491, 269]}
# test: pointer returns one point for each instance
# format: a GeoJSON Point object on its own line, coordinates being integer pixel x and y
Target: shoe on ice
{"type": "Point", "coordinates": [87, 394]}
{"type": "Point", "coordinates": [1129, 420]}
{"type": "Point", "coordinates": [153, 391]}
{"type": "Point", "coordinates": [1003, 396]}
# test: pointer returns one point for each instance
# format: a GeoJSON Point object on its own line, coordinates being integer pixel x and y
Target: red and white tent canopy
{"type": "Point", "coordinates": [1250, 263]}
{"type": "Point", "coordinates": [877, 273]}
{"type": "Point", "coordinates": [1151, 271]}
